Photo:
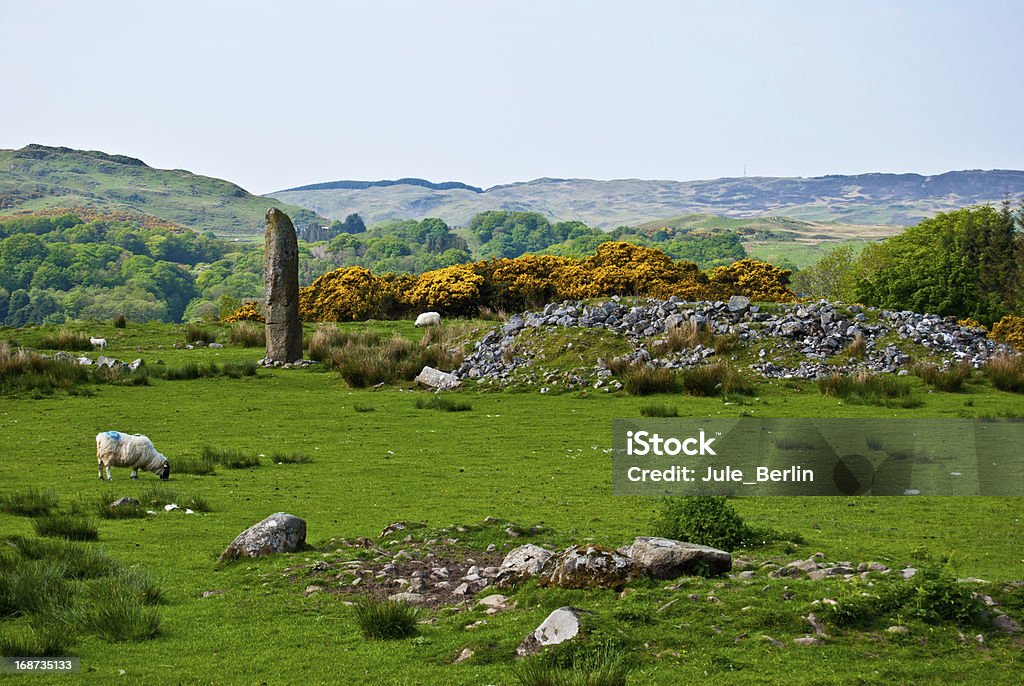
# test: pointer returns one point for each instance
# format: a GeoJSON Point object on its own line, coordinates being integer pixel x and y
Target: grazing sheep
{"type": "Point", "coordinates": [98, 342]}
{"type": "Point", "coordinates": [428, 319]}
{"type": "Point", "coordinates": [117, 449]}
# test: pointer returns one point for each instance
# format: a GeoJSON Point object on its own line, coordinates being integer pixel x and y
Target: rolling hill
{"type": "Point", "coordinates": [40, 178]}
{"type": "Point", "coordinates": [865, 199]}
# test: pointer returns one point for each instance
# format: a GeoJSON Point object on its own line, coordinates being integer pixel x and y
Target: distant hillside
{"type": "Point", "coordinates": [865, 199]}
{"type": "Point", "coordinates": [37, 178]}
{"type": "Point", "coordinates": [362, 185]}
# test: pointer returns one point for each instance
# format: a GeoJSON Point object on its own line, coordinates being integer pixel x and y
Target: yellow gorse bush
{"type": "Point", "coordinates": [249, 312]}
{"type": "Point", "coordinates": [354, 293]}
{"type": "Point", "coordinates": [1009, 330]}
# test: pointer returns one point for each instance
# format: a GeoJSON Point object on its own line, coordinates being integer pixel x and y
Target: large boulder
{"type": "Point", "coordinates": [521, 563]}
{"type": "Point", "coordinates": [435, 378]}
{"type": "Point", "coordinates": [281, 289]}
{"type": "Point", "coordinates": [560, 626]}
{"type": "Point", "coordinates": [587, 566]}
{"type": "Point", "coordinates": [664, 558]}
{"type": "Point", "coordinates": [278, 533]}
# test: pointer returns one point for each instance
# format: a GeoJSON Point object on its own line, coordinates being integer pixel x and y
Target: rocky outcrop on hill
{"type": "Point", "coordinates": [805, 340]}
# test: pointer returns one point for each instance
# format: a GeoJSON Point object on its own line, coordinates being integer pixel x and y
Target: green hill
{"type": "Point", "coordinates": [864, 199]}
{"type": "Point", "coordinates": [38, 178]}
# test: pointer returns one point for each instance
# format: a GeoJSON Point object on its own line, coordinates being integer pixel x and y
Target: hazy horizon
{"type": "Point", "coordinates": [497, 93]}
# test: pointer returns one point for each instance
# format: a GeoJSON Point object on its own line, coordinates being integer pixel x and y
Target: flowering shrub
{"type": "Point", "coordinates": [1009, 330]}
{"type": "Point", "coordinates": [354, 293]}
{"type": "Point", "coordinates": [452, 290]}
{"type": "Point", "coordinates": [249, 312]}
{"type": "Point", "coordinates": [755, 279]}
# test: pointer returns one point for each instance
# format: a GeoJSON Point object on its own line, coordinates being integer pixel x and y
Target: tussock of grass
{"type": "Point", "coordinates": [195, 333]}
{"type": "Point", "coordinates": [858, 348]}
{"type": "Point", "coordinates": [605, 666]}
{"type": "Point", "coordinates": [951, 381]}
{"type": "Point", "coordinates": [659, 410]}
{"type": "Point", "coordinates": [248, 335]}
{"type": "Point", "coordinates": [385, 619]}
{"type": "Point", "coordinates": [34, 586]}
{"type": "Point", "coordinates": [198, 465]}
{"type": "Point", "coordinates": [30, 502]}
{"type": "Point", "coordinates": [101, 505]}
{"type": "Point", "coordinates": [290, 458]}
{"type": "Point", "coordinates": [77, 561]}
{"type": "Point", "coordinates": [1006, 372]}
{"type": "Point", "coordinates": [443, 403]}
{"type": "Point", "coordinates": [36, 640]}
{"type": "Point", "coordinates": [232, 458]}
{"type": "Point", "coordinates": [641, 379]}
{"type": "Point", "coordinates": [70, 527]}
{"type": "Point", "coordinates": [115, 614]}
{"type": "Point", "coordinates": [367, 358]}
{"type": "Point", "coordinates": [193, 370]}
{"type": "Point", "coordinates": [66, 339]}
{"type": "Point", "coordinates": [708, 380]}
{"type": "Point", "coordinates": [362, 407]}
{"type": "Point", "coordinates": [864, 388]}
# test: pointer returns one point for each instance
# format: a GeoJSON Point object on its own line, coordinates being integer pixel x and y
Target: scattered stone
{"type": "Point", "coordinates": [774, 641]}
{"type": "Point", "coordinates": [522, 563]}
{"type": "Point", "coordinates": [170, 507]}
{"type": "Point", "coordinates": [210, 594]}
{"type": "Point", "coordinates": [561, 625]}
{"type": "Point", "coordinates": [435, 378]}
{"type": "Point", "coordinates": [407, 597]}
{"type": "Point", "coordinates": [815, 624]}
{"type": "Point", "coordinates": [463, 656]}
{"type": "Point", "coordinates": [898, 629]}
{"type": "Point", "coordinates": [278, 533]}
{"type": "Point", "coordinates": [587, 566]}
{"type": "Point", "coordinates": [1006, 624]}
{"type": "Point", "coordinates": [664, 558]}
{"type": "Point", "coordinates": [399, 526]}
{"type": "Point", "coordinates": [310, 590]}
{"type": "Point", "coordinates": [808, 641]}
{"type": "Point", "coordinates": [125, 501]}
{"type": "Point", "coordinates": [908, 573]}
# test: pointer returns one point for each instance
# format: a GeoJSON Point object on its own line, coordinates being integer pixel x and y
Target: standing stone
{"type": "Point", "coordinates": [281, 283]}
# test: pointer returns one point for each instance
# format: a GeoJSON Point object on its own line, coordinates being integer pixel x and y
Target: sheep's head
{"type": "Point", "coordinates": [165, 473]}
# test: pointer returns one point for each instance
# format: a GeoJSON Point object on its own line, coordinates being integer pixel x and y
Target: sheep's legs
{"type": "Point", "coordinates": [100, 469]}
{"type": "Point", "coordinates": [135, 473]}
{"type": "Point", "coordinates": [108, 473]}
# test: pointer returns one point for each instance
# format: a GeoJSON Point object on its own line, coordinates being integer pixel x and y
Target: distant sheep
{"type": "Point", "coordinates": [98, 342]}
{"type": "Point", "coordinates": [428, 319]}
{"type": "Point", "coordinates": [116, 449]}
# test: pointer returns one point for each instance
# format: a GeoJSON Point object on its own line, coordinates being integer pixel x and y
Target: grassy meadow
{"type": "Point", "coordinates": [516, 455]}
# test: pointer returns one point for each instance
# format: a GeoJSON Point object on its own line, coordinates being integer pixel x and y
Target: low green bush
{"type": "Point", "coordinates": [385, 619]}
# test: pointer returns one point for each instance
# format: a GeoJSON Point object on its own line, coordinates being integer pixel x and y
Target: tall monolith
{"type": "Point", "coordinates": [281, 284]}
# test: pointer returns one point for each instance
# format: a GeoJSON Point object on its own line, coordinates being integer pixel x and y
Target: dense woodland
{"type": "Point", "coordinates": [967, 263]}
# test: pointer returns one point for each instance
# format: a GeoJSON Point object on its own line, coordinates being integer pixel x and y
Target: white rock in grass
{"type": "Point", "coordinates": [170, 507]}
{"type": "Point", "coordinates": [560, 626]}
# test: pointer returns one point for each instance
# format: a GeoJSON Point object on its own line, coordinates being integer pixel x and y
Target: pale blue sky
{"type": "Point", "coordinates": [277, 94]}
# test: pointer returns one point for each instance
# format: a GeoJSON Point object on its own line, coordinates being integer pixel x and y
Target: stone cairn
{"type": "Point", "coordinates": [281, 281]}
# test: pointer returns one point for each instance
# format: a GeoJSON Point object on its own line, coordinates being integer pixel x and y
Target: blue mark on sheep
{"type": "Point", "coordinates": [114, 435]}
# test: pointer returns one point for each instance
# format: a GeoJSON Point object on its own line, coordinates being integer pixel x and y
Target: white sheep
{"type": "Point", "coordinates": [428, 319]}
{"type": "Point", "coordinates": [98, 342]}
{"type": "Point", "coordinates": [117, 449]}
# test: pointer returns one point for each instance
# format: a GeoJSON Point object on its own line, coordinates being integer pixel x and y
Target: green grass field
{"type": "Point", "coordinates": [518, 456]}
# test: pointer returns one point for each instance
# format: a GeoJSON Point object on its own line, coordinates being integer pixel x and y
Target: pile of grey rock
{"type": "Point", "coordinates": [805, 340]}
{"type": "Point", "coordinates": [103, 362]}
